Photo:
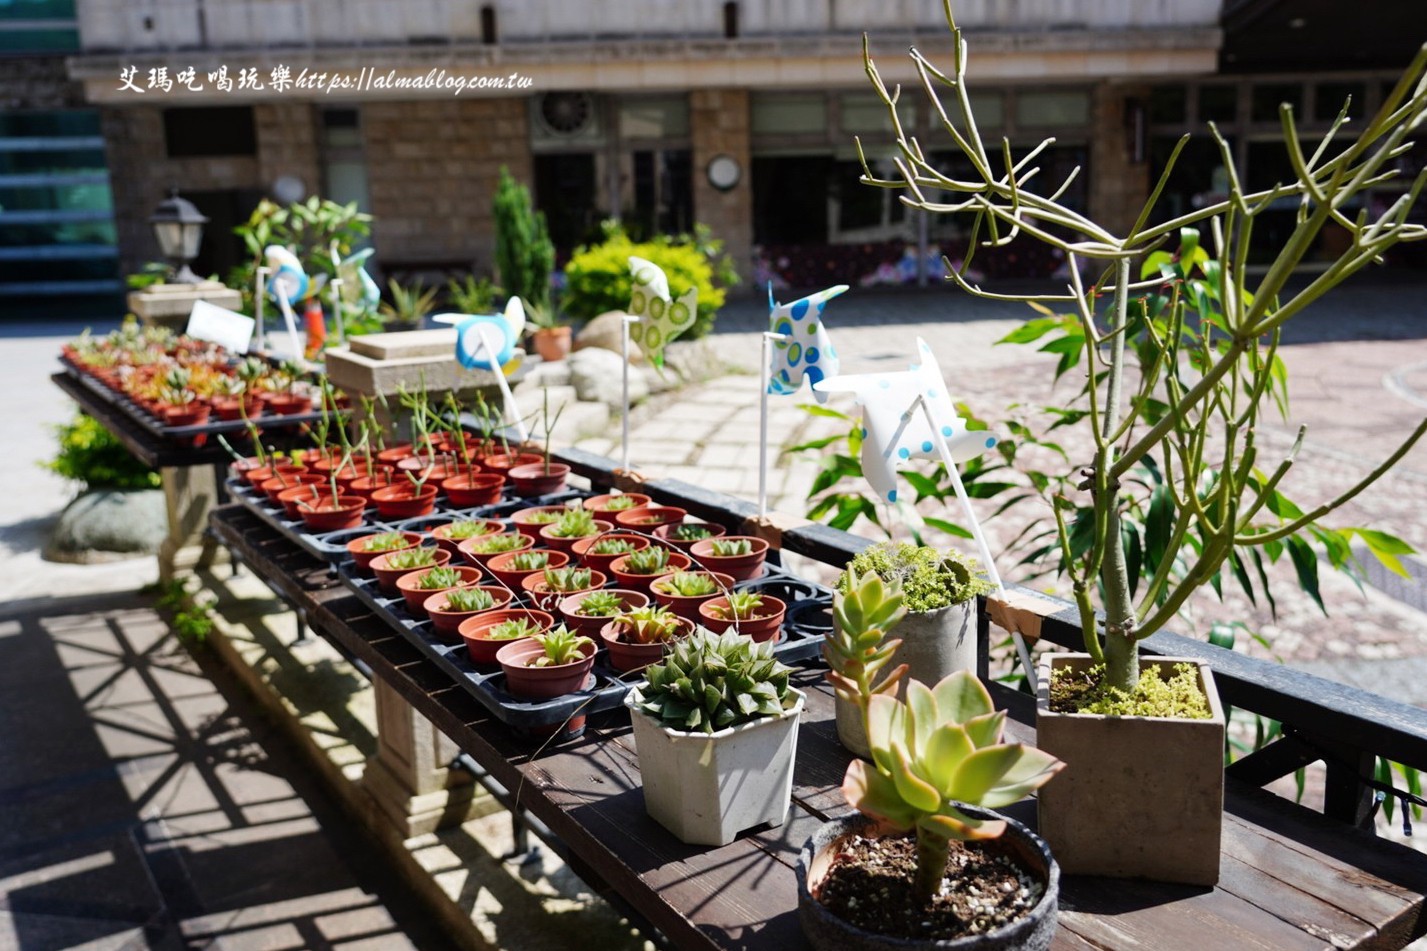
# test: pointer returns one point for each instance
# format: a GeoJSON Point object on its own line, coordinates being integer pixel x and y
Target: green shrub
{"type": "Point", "coordinates": [88, 453]}
{"type": "Point", "coordinates": [597, 279]}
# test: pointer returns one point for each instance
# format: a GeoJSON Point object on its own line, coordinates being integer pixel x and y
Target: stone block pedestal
{"type": "Point", "coordinates": [168, 305]}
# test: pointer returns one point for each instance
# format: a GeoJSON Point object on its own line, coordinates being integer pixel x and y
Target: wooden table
{"type": "Point", "coordinates": [1290, 878]}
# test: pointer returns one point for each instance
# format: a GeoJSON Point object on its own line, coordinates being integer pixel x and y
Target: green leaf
{"type": "Point", "coordinates": [960, 696]}
{"type": "Point", "coordinates": [1032, 330]}
{"type": "Point", "coordinates": [874, 794]}
{"type": "Point", "coordinates": [813, 409]}
{"type": "Point", "coordinates": [950, 528]}
{"type": "Point", "coordinates": [982, 770]}
{"type": "Point", "coordinates": [1385, 548]}
{"type": "Point", "coordinates": [946, 748]}
{"type": "Point", "coordinates": [1305, 562]}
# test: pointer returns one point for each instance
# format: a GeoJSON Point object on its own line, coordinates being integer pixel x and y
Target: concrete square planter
{"type": "Point", "coordinates": [706, 788]}
{"type": "Point", "coordinates": [1140, 797]}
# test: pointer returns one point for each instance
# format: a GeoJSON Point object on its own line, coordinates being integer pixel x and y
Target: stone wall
{"type": "Point", "coordinates": [38, 82]}
{"type": "Point", "coordinates": [432, 168]}
{"type": "Point", "coordinates": [1119, 186]}
{"type": "Point", "coordinates": [719, 122]}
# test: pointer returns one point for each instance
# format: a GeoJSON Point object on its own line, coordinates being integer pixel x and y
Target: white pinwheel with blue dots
{"type": "Point", "coordinates": [489, 342]}
{"type": "Point", "coordinates": [802, 349]}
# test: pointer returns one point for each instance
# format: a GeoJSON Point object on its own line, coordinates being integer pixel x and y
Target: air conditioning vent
{"type": "Point", "coordinates": [566, 113]}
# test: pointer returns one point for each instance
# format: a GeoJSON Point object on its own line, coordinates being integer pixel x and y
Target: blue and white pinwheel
{"type": "Point", "coordinates": [806, 350]}
{"type": "Point", "coordinates": [661, 318]}
{"type": "Point", "coordinates": [896, 429]}
{"type": "Point", "coordinates": [485, 341]}
{"type": "Point", "coordinates": [288, 282]}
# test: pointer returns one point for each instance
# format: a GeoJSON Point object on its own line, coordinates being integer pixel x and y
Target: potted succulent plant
{"type": "Point", "coordinates": [553, 585]}
{"type": "Point", "coordinates": [683, 591]}
{"type": "Point", "coordinates": [485, 634]}
{"type": "Point", "coordinates": [938, 637]}
{"type": "Point", "coordinates": [587, 612]}
{"type": "Point", "coordinates": [417, 586]}
{"type": "Point", "coordinates": [926, 838]}
{"type": "Point", "coordinates": [391, 566]}
{"type": "Point", "coordinates": [285, 398]}
{"type": "Point", "coordinates": [683, 535]}
{"type": "Point", "coordinates": [448, 609]}
{"type": "Point", "coordinates": [543, 477]}
{"type": "Point", "coordinates": [364, 549]}
{"type": "Point", "coordinates": [715, 727]}
{"type": "Point", "coordinates": [450, 535]}
{"type": "Point", "coordinates": [640, 636]}
{"type": "Point", "coordinates": [598, 552]}
{"type": "Point", "coordinates": [611, 503]}
{"type": "Point", "coordinates": [638, 569]}
{"type": "Point", "coordinates": [481, 549]}
{"type": "Point", "coordinates": [331, 512]}
{"type": "Point", "coordinates": [759, 616]}
{"type": "Point", "coordinates": [549, 665]}
{"type": "Point", "coordinates": [410, 499]}
{"type": "Point", "coordinates": [740, 556]}
{"type": "Point", "coordinates": [512, 568]}
{"type": "Point", "coordinates": [572, 526]}
{"type": "Point", "coordinates": [646, 518]}
{"type": "Point", "coordinates": [533, 520]}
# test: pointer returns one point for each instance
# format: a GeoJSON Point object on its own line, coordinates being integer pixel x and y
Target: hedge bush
{"type": "Point", "coordinates": [88, 453]}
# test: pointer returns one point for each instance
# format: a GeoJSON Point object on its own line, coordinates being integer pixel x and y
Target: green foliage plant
{"type": "Point", "coordinates": [90, 454]}
{"type": "Point", "coordinates": [409, 304]}
{"type": "Point", "coordinates": [731, 547]}
{"type": "Point", "coordinates": [438, 578]}
{"type": "Point", "coordinates": [928, 578]}
{"type": "Point", "coordinates": [472, 295]}
{"type": "Point", "coordinates": [561, 646]}
{"type": "Point", "coordinates": [1176, 383]}
{"type": "Point", "coordinates": [619, 503]}
{"type": "Point", "coordinates": [513, 629]}
{"type": "Point", "coordinates": [740, 606]}
{"type": "Point", "coordinates": [690, 532]}
{"type": "Point", "coordinates": [469, 528]}
{"type": "Point", "coordinates": [567, 580]}
{"type": "Point", "coordinates": [311, 229]}
{"type": "Point", "coordinates": [465, 600]}
{"type": "Point", "coordinates": [710, 682]}
{"type": "Point", "coordinates": [412, 558]}
{"type": "Point", "coordinates": [647, 561]}
{"type": "Point", "coordinates": [688, 584]}
{"type": "Point", "coordinates": [524, 254]}
{"type": "Point", "coordinates": [649, 624]}
{"type": "Point", "coordinates": [530, 561]}
{"type": "Point", "coordinates": [612, 546]}
{"type": "Point", "coordinates": [498, 543]}
{"type": "Point", "coordinates": [600, 604]}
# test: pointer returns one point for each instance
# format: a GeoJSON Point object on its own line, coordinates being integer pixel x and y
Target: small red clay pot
{"type": "Point", "coordinates": [687, 607]}
{"type": "Point", "coordinates": [416, 597]}
{"type": "Point", "coordinates": [630, 656]}
{"type": "Point", "coordinates": [665, 533]}
{"type": "Point", "coordinates": [582, 546]}
{"type": "Point", "coordinates": [466, 549]}
{"type": "Point", "coordinates": [190, 414]}
{"type": "Point", "coordinates": [404, 501]}
{"type": "Point", "coordinates": [446, 624]}
{"type": "Point", "coordinates": [546, 600]}
{"type": "Point", "coordinates": [543, 683]}
{"type": "Point", "coordinates": [256, 475]}
{"type": "Point", "coordinates": [324, 514]}
{"type": "Point", "coordinates": [647, 518]}
{"type": "Point", "coordinates": [521, 519]}
{"type": "Point", "coordinates": [380, 479]}
{"type": "Point", "coordinates": [395, 454]}
{"type": "Point", "coordinates": [473, 489]}
{"type": "Point", "coordinates": [677, 562]}
{"type": "Point", "coordinates": [229, 408]}
{"type": "Point", "coordinates": [363, 558]}
{"type": "Point", "coordinates": [281, 482]}
{"type": "Point", "coordinates": [764, 627]}
{"type": "Point", "coordinates": [533, 480]}
{"type": "Point", "coordinates": [567, 545]}
{"type": "Point", "coordinates": [288, 498]}
{"type": "Point", "coordinates": [511, 577]}
{"type": "Point", "coordinates": [501, 463]}
{"type": "Point", "coordinates": [600, 503]}
{"type": "Point", "coordinates": [387, 577]}
{"type": "Point", "coordinates": [742, 567]}
{"type": "Point", "coordinates": [590, 626]}
{"type": "Point", "coordinates": [481, 648]}
{"type": "Point", "coordinates": [288, 404]}
{"type": "Point", "coordinates": [552, 343]}
{"type": "Point", "coordinates": [441, 533]}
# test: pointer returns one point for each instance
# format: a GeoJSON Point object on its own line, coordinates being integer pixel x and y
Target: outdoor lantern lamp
{"type": "Point", "coordinates": [178, 225]}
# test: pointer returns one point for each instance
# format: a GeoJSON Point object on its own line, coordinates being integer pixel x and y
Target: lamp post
{"type": "Point", "coordinates": [178, 225]}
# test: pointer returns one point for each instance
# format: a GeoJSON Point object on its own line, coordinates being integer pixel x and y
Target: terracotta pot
{"type": "Point", "coordinates": [590, 626]}
{"type": "Point", "coordinates": [677, 562]}
{"type": "Point", "coordinates": [742, 567]}
{"type": "Point", "coordinates": [285, 404]}
{"type": "Point", "coordinates": [630, 656]}
{"type": "Point", "coordinates": [542, 683]}
{"type": "Point", "coordinates": [552, 343]}
{"type": "Point", "coordinates": [764, 627]}
{"type": "Point", "coordinates": [280, 483]}
{"type": "Point", "coordinates": [446, 624]}
{"type": "Point", "coordinates": [229, 408]}
{"type": "Point", "coordinates": [532, 480]}
{"type": "Point", "coordinates": [567, 545]}
{"type": "Point", "coordinates": [469, 491]}
{"type": "Point", "coordinates": [256, 475]}
{"type": "Point", "coordinates": [581, 550]}
{"type": "Point", "coordinates": [322, 515]}
{"type": "Point", "coordinates": [665, 533]}
{"type": "Point", "coordinates": [647, 518]}
{"type": "Point", "coordinates": [404, 501]}
{"type": "Point", "coordinates": [366, 485]}
{"type": "Point", "coordinates": [288, 498]}
{"type": "Point", "coordinates": [687, 606]}
{"type": "Point", "coordinates": [443, 539]}
{"type": "Point", "coordinates": [190, 414]}
{"type": "Point", "coordinates": [387, 577]}
{"type": "Point", "coordinates": [395, 454]}
{"type": "Point", "coordinates": [546, 600]}
{"type": "Point", "coordinates": [465, 549]}
{"type": "Point", "coordinates": [415, 597]}
{"type": "Point", "coordinates": [600, 503]}
{"type": "Point", "coordinates": [521, 520]}
{"type": "Point", "coordinates": [502, 463]}
{"type": "Point", "coordinates": [512, 577]}
{"type": "Point", "coordinates": [482, 649]}
{"type": "Point", "coordinates": [363, 558]}
{"type": "Point", "coordinates": [240, 468]}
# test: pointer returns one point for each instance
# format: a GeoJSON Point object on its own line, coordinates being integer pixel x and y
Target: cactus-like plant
{"type": "Point", "coordinates": [513, 629]}
{"type": "Point", "coordinates": [575, 523]}
{"type": "Point", "coordinates": [463, 600]}
{"type": "Point", "coordinates": [688, 584]}
{"type": "Point", "coordinates": [740, 606]}
{"type": "Point", "coordinates": [567, 579]}
{"type": "Point", "coordinates": [498, 543]}
{"type": "Point", "coordinates": [709, 682]}
{"type": "Point", "coordinates": [469, 528]}
{"type": "Point", "coordinates": [600, 604]}
{"type": "Point", "coordinates": [731, 547]}
{"type": "Point", "coordinates": [612, 546]}
{"type": "Point", "coordinates": [411, 559]}
{"type": "Point", "coordinates": [650, 624]}
{"type": "Point", "coordinates": [858, 647]}
{"type": "Point", "coordinates": [386, 541]}
{"type": "Point", "coordinates": [647, 561]}
{"type": "Point", "coordinates": [562, 646]}
{"type": "Point", "coordinates": [530, 561]}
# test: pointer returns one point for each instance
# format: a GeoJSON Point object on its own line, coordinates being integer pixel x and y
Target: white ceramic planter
{"type": "Point", "coordinates": [934, 645]}
{"type": "Point", "coordinates": [706, 788]}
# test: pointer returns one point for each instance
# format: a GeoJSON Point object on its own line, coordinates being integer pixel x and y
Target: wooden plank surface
{"type": "Point", "coordinates": [1290, 878]}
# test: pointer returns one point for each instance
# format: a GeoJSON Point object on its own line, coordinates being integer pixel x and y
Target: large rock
{"type": "Point", "coordinates": [108, 522]}
{"type": "Point", "coordinates": [605, 332]}
{"type": "Point", "coordinates": [597, 376]}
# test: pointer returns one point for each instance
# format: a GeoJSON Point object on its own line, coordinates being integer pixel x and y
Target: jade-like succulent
{"type": "Point", "coordinates": [543, 518]}
{"type": "Point", "coordinates": [600, 604]}
{"type": "Point", "coordinates": [562, 646]}
{"type": "Point", "coordinates": [411, 558]}
{"type": "Point", "coordinates": [650, 624]}
{"type": "Point", "coordinates": [691, 532]}
{"type": "Point", "coordinates": [466, 600]}
{"type": "Point", "coordinates": [708, 682]}
{"type": "Point", "coordinates": [741, 606]}
{"type": "Point", "coordinates": [386, 541]}
{"type": "Point", "coordinates": [498, 543]}
{"type": "Point", "coordinates": [513, 629]}
{"type": "Point", "coordinates": [469, 528]}
{"type": "Point", "coordinates": [530, 561]}
{"type": "Point", "coordinates": [688, 584]}
{"type": "Point", "coordinates": [438, 578]}
{"type": "Point", "coordinates": [612, 546]}
{"type": "Point", "coordinates": [619, 503]}
{"type": "Point", "coordinates": [576, 523]}
{"type": "Point", "coordinates": [731, 547]}
{"type": "Point", "coordinates": [567, 579]}
{"type": "Point", "coordinates": [936, 751]}
{"type": "Point", "coordinates": [647, 561]}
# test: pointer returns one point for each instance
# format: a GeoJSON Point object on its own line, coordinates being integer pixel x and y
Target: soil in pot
{"type": "Point", "coordinates": [405, 501]}
{"type": "Point", "coordinates": [474, 489]}
{"type": "Point", "coordinates": [765, 625]}
{"type": "Point", "coordinates": [741, 567]}
{"type": "Point", "coordinates": [539, 479]}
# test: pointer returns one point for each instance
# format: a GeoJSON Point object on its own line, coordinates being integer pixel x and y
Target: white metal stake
{"type": "Point", "coordinates": [261, 291]}
{"type": "Point", "coordinates": [291, 319]}
{"type": "Point", "coordinates": [337, 295]}
{"type": "Point", "coordinates": [982, 548]}
{"type": "Point", "coordinates": [624, 422]}
{"type": "Point", "coordinates": [763, 379]}
{"type": "Point", "coordinates": [507, 400]}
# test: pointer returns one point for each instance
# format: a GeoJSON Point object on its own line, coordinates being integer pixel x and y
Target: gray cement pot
{"type": "Point", "coordinates": [934, 644]}
{"type": "Point", "coordinates": [1140, 797]}
{"type": "Point", "coordinates": [827, 932]}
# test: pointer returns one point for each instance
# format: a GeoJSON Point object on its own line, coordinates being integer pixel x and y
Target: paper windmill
{"type": "Point", "coordinates": [808, 351]}
{"type": "Point", "coordinates": [288, 281]}
{"type": "Point", "coordinates": [661, 318]}
{"type": "Point", "coordinates": [480, 335]}
{"type": "Point", "coordinates": [355, 267]}
{"type": "Point", "coordinates": [891, 435]}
